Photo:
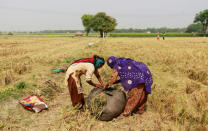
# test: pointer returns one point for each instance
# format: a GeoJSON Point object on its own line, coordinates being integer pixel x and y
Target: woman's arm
{"type": "Point", "coordinates": [113, 79]}
{"type": "Point", "coordinates": [89, 74]}
{"type": "Point", "coordinates": [98, 77]}
{"type": "Point", "coordinates": [93, 84]}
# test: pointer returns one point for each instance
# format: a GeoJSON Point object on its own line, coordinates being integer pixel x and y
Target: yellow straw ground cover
{"type": "Point", "coordinates": [179, 99]}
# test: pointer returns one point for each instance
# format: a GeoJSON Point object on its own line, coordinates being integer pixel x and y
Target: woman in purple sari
{"type": "Point", "coordinates": [136, 79]}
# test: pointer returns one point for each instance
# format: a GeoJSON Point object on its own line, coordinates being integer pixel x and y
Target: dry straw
{"type": "Point", "coordinates": [97, 104]}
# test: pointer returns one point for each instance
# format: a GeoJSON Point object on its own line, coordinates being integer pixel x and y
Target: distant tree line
{"type": "Point", "coordinates": [130, 30]}
{"type": "Point", "coordinates": [150, 30]}
{"type": "Point", "coordinates": [196, 28]}
{"type": "Point", "coordinates": [61, 31]}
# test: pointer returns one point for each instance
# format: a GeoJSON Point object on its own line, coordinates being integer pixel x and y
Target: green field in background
{"type": "Point", "coordinates": [155, 34]}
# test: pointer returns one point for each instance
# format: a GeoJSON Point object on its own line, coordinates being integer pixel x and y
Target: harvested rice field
{"type": "Point", "coordinates": [179, 99]}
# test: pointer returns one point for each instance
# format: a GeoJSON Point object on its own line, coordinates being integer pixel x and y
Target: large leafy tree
{"type": "Point", "coordinates": [202, 17]}
{"type": "Point", "coordinates": [103, 23]}
{"type": "Point", "coordinates": [86, 21]}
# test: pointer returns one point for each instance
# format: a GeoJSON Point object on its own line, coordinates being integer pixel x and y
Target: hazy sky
{"type": "Point", "coordinates": [35, 15]}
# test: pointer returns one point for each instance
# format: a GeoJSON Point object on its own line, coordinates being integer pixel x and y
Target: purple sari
{"type": "Point", "coordinates": [131, 72]}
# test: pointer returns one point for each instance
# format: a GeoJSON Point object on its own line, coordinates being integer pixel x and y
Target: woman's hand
{"type": "Point", "coordinates": [98, 85]}
{"type": "Point", "coordinates": [102, 85]}
{"type": "Point", "coordinates": [99, 78]}
{"type": "Point", "coordinates": [105, 87]}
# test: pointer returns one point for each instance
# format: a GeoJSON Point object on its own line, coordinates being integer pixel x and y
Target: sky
{"type": "Point", "coordinates": [37, 15]}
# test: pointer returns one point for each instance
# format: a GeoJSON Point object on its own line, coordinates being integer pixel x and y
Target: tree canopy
{"type": "Point", "coordinates": [86, 21]}
{"type": "Point", "coordinates": [100, 23]}
{"type": "Point", "coordinates": [202, 18]}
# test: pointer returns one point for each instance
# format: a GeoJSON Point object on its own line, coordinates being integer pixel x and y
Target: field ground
{"type": "Point", "coordinates": [179, 99]}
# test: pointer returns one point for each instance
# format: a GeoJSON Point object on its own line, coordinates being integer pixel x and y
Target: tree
{"type": "Point", "coordinates": [103, 23]}
{"type": "Point", "coordinates": [194, 28]}
{"type": "Point", "coordinates": [86, 21]}
{"type": "Point", "coordinates": [202, 17]}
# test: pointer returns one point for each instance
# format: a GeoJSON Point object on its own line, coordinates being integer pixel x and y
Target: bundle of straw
{"type": "Point", "coordinates": [97, 104]}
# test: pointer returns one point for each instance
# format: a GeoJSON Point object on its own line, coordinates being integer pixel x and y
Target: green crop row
{"type": "Point", "coordinates": [155, 34]}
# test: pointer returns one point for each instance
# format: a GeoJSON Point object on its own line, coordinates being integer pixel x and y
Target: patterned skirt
{"type": "Point", "coordinates": [77, 99]}
{"type": "Point", "coordinates": [136, 100]}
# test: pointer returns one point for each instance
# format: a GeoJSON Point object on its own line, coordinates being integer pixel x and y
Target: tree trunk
{"type": "Point", "coordinates": [203, 30]}
{"type": "Point", "coordinates": [206, 29]}
{"type": "Point", "coordinates": [101, 33]}
{"type": "Point", "coordinates": [87, 32]}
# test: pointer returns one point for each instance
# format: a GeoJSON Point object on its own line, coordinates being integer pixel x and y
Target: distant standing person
{"type": "Point", "coordinates": [163, 35]}
{"type": "Point", "coordinates": [158, 36]}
